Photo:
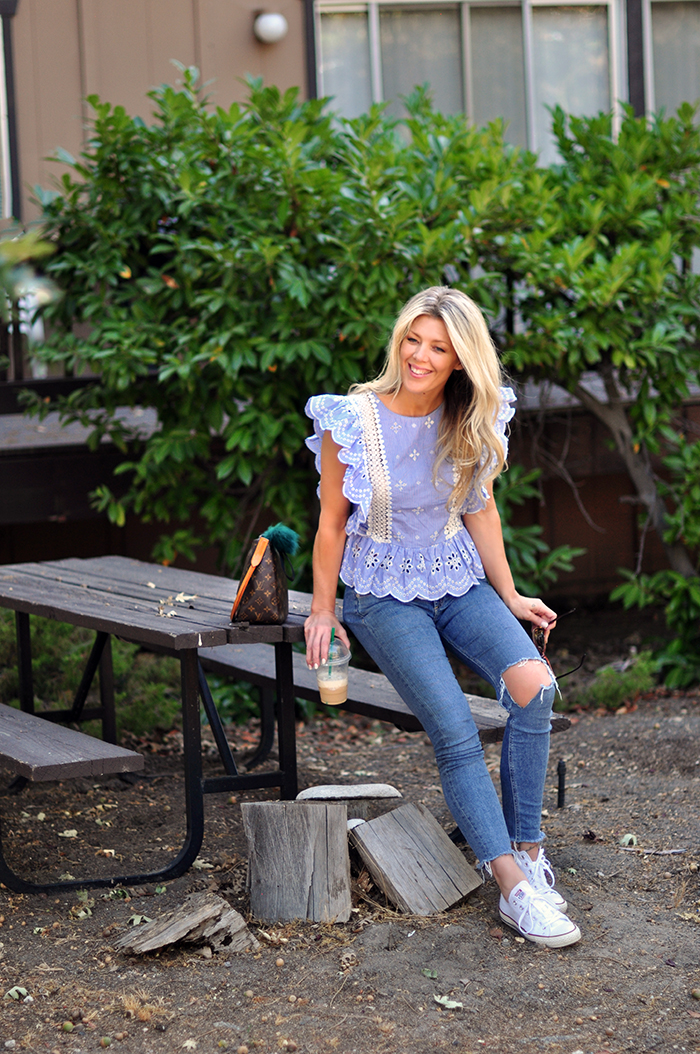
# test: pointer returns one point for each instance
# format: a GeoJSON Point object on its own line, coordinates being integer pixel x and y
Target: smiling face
{"type": "Point", "coordinates": [427, 361]}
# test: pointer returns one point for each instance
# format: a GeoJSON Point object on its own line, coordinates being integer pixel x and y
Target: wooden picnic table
{"type": "Point", "coordinates": [171, 611]}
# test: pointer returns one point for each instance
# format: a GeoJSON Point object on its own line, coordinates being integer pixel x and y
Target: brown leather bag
{"type": "Point", "coordinates": [262, 595]}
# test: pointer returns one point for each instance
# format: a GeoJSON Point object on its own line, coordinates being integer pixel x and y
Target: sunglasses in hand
{"type": "Point", "coordinates": [540, 639]}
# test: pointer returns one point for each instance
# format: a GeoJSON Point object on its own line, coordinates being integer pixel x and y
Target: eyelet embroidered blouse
{"type": "Point", "coordinates": [402, 540]}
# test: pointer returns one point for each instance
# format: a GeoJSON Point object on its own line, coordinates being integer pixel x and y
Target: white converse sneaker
{"type": "Point", "coordinates": [539, 874]}
{"type": "Point", "coordinates": [529, 913]}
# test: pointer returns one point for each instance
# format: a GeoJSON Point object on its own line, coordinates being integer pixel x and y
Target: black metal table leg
{"type": "Point", "coordinates": [267, 727]}
{"type": "Point", "coordinates": [24, 662]}
{"type": "Point", "coordinates": [100, 657]}
{"type": "Point", "coordinates": [286, 726]}
{"type": "Point", "coordinates": [109, 717]}
{"type": "Point", "coordinates": [91, 667]}
{"type": "Point", "coordinates": [229, 762]}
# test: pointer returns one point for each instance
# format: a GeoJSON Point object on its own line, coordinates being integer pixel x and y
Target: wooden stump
{"type": "Point", "coordinates": [298, 861]}
{"type": "Point", "coordinates": [413, 861]}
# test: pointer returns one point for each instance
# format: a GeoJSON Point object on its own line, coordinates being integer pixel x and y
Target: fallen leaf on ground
{"type": "Point", "coordinates": [16, 992]}
{"type": "Point", "coordinates": [449, 1004]}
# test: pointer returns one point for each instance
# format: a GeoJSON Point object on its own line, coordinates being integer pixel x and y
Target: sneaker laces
{"type": "Point", "coordinates": [533, 908]}
{"type": "Point", "coordinates": [541, 870]}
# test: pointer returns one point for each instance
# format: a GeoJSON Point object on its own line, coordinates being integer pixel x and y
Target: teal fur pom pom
{"type": "Point", "coordinates": [282, 538]}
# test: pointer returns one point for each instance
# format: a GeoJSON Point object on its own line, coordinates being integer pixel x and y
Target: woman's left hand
{"type": "Point", "coordinates": [532, 609]}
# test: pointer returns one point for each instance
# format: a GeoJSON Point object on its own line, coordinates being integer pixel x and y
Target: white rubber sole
{"type": "Point", "coordinates": [557, 940]}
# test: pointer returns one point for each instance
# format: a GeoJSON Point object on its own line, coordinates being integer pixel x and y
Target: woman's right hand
{"type": "Point", "coordinates": [317, 630]}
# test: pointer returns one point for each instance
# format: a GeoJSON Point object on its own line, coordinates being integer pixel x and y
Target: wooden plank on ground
{"type": "Point", "coordinates": [203, 918]}
{"type": "Point", "coordinates": [413, 861]}
{"type": "Point", "coordinates": [298, 861]}
{"type": "Point", "coordinates": [41, 750]}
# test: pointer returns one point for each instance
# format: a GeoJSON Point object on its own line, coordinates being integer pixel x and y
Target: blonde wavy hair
{"type": "Point", "coordinates": [467, 437]}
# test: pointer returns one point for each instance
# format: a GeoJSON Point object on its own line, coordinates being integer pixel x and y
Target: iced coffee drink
{"type": "Point", "coordinates": [332, 675]}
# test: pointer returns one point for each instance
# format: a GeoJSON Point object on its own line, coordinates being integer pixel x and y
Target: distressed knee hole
{"type": "Point", "coordinates": [526, 679]}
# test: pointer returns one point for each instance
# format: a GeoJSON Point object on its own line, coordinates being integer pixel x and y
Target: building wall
{"type": "Point", "coordinates": [588, 499]}
{"type": "Point", "coordinates": [65, 50]}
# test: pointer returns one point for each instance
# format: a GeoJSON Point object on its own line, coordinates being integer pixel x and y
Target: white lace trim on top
{"type": "Point", "coordinates": [454, 523]}
{"type": "Point", "coordinates": [379, 523]}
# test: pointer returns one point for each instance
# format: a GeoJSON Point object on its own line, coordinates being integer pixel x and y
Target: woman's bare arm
{"type": "Point", "coordinates": [327, 557]}
{"type": "Point", "coordinates": [487, 534]}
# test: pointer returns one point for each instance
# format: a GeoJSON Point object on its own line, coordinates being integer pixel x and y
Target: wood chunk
{"type": "Point", "coordinates": [203, 917]}
{"type": "Point", "coordinates": [413, 861]}
{"type": "Point", "coordinates": [361, 798]}
{"type": "Point", "coordinates": [298, 860]}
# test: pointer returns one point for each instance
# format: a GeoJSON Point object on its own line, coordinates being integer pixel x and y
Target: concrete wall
{"type": "Point", "coordinates": [65, 50]}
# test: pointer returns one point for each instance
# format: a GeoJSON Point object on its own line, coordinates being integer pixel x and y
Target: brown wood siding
{"type": "Point", "coordinates": [596, 507]}
{"type": "Point", "coordinates": [128, 48]}
{"type": "Point", "coordinates": [120, 50]}
{"type": "Point", "coordinates": [48, 89]}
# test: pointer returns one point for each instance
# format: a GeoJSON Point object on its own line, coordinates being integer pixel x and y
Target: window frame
{"type": "Point", "coordinates": [618, 73]}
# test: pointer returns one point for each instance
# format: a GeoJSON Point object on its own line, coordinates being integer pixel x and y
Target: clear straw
{"type": "Point", "coordinates": [329, 649]}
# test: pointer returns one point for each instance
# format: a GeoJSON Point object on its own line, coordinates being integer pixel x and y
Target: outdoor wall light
{"type": "Point", "coordinates": [270, 28]}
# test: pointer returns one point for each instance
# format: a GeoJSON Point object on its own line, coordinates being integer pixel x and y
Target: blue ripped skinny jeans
{"type": "Point", "coordinates": [408, 641]}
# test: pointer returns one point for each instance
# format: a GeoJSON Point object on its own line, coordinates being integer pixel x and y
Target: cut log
{"type": "Point", "coordinates": [298, 861]}
{"type": "Point", "coordinates": [202, 918]}
{"type": "Point", "coordinates": [413, 861]}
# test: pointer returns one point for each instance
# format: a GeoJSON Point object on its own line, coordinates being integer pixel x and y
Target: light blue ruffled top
{"type": "Point", "coordinates": [403, 541]}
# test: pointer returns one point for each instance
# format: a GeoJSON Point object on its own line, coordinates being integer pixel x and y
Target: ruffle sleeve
{"type": "Point", "coordinates": [506, 413]}
{"type": "Point", "coordinates": [339, 415]}
{"type": "Point", "coordinates": [478, 497]}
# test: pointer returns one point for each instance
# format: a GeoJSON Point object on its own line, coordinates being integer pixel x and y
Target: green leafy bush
{"type": "Point", "coordinates": [230, 263]}
{"type": "Point", "coordinates": [223, 265]}
{"type": "Point", "coordinates": [612, 687]}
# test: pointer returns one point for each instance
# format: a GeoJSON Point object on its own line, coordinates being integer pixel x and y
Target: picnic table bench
{"type": "Point", "coordinates": [184, 614]}
{"type": "Point", "coordinates": [370, 694]}
{"type": "Point", "coordinates": [39, 750]}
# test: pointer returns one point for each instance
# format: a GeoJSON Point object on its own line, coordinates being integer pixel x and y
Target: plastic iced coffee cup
{"type": "Point", "coordinates": [332, 675]}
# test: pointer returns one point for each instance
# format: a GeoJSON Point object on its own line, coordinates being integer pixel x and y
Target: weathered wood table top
{"type": "Point", "coordinates": [146, 603]}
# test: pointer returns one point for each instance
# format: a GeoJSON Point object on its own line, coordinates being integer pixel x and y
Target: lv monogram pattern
{"type": "Point", "coordinates": [265, 600]}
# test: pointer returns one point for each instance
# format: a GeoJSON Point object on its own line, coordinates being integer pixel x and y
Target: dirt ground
{"type": "Point", "coordinates": [370, 985]}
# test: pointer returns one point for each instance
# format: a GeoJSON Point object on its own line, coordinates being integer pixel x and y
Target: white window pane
{"type": "Point", "coordinates": [344, 70]}
{"type": "Point", "coordinates": [419, 47]}
{"type": "Point", "coordinates": [497, 74]}
{"type": "Point", "coordinates": [675, 31]}
{"type": "Point", "coordinates": [571, 65]}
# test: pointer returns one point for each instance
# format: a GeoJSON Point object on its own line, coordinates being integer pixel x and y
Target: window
{"type": "Point", "coordinates": [672, 53]}
{"type": "Point", "coordinates": [486, 58]}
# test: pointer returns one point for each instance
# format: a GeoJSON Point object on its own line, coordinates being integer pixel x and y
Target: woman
{"type": "Point", "coordinates": [408, 521]}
